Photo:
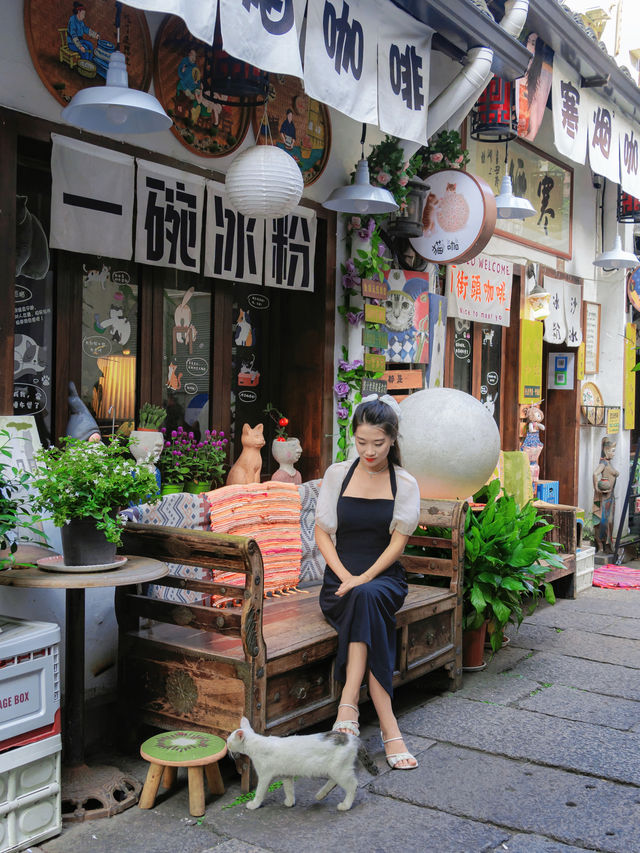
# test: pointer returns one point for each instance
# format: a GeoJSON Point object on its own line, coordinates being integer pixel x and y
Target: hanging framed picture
{"type": "Point", "coordinates": [591, 336]}
{"type": "Point", "coordinates": [544, 181]}
{"type": "Point", "coordinates": [71, 43]}
{"type": "Point", "coordinates": [296, 123]}
{"type": "Point", "coordinates": [201, 120]}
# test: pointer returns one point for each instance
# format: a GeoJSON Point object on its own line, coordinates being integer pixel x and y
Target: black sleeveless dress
{"type": "Point", "coordinates": [366, 613]}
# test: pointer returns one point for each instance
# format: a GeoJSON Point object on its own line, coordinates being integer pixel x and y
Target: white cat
{"type": "Point", "coordinates": [331, 755]}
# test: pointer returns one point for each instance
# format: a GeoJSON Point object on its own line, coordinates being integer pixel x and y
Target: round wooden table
{"type": "Point", "coordinates": [84, 788]}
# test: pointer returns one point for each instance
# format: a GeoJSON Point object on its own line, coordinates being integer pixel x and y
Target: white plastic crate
{"type": "Point", "coordinates": [30, 794]}
{"type": "Point", "coordinates": [585, 561]}
{"type": "Point", "coordinates": [29, 675]}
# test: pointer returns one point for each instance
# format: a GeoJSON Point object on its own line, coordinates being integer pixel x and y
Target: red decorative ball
{"type": "Point", "coordinates": [281, 438]}
{"type": "Point", "coordinates": [283, 422]}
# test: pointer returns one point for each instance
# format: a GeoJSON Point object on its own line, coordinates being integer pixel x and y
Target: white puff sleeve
{"type": "Point", "coordinates": [327, 504]}
{"type": "Point", "coordinates": [406, 510]}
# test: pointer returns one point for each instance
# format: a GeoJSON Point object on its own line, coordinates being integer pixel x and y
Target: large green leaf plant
{"type": "Point", "coordinates": [503, 575]}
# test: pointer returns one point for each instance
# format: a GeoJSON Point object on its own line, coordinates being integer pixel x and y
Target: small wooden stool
{"type": "Point", "coordinates": [195, 750]}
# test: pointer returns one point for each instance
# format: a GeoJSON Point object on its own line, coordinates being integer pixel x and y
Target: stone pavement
{"type": "Point", "coordinates": [539, 753]}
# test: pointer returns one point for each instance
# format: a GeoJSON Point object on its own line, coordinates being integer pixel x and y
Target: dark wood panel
{"type": "Point", "coordinates": [8, 178]}
{"type": "Point", "coordinates": [68, 337]}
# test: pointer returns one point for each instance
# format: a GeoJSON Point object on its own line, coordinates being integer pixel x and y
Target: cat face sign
{"type": "Point", "coordinates": [399, 310]}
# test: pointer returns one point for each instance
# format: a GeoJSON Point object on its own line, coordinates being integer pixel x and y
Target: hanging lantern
{"type": "Point", "coordinates": [230, 81]}
{"type": "Point", "coordinates": [494, 116]}
{"type": "Point", "coordinates": [628, 207]}
{"type": "Point", "coordinates": [408, 222]}
{"type": "Point", "coordinates": [264, 181]}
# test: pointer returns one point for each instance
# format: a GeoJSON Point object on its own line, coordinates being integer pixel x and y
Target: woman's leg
{"type": "Point", "coordinates": [388, 723]}
{"type": "Point", "coordinates": [356, 665]}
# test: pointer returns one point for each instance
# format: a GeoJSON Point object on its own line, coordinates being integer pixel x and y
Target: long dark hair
{"type": "Point", "coordinates": [378, 414]}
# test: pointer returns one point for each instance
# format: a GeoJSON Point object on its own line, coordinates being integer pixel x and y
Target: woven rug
{"type": "Point", "coordinates": [616, 577]}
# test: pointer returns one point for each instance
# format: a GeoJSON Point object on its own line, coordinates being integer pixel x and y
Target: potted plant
{"type": "Point", "coordinates": [504, 549]}
{"type": "Point", "coordinates": [444, 151]}
{"type": "Point", "coordinates": [173, 462]}
{"type": "Point", "coordinates": [15, 506]}
{"type": "Point", "coordinates": [82, 485]}
{"type": "Point", "coordinates": [147, 440]}
{"type": "Point", "coordinates": [206, 461]}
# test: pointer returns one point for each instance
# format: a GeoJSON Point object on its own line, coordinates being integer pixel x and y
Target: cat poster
{"type": "Point", "coordinates": [407, 317]}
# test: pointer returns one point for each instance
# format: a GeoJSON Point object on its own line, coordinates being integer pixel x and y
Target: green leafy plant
{"type": "Point", "coordinates": [15, 505]}
{"type": "Point", "coordinates": [151, 417]}
{"type": "Point", "coordinates": [444, 151]}
{"type": "Point", "coordinates": [280, 421]}
{"type": "Point", "coordinates": [504, 548]}
{"type": "Point", "coordinates": [348, 394]}
{"type": "Point", "coordinates": [209, 456]}
{"type": "Point", "coordinates": [185, 457]}
{"type": "Point", "coordinates": [389, 168]}
{"type": "Point", "coordinates": [85, 479]}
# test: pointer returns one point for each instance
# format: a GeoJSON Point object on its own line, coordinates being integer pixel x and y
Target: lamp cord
{"type": "Point", "coordinates": [118, 14]}
{"type": "Point", "coordinates": [363, 137]}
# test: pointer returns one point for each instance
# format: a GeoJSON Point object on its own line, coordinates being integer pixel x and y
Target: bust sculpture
{"type": "Point", "coordinates": [286, 453]}
{"type": "Point", "coordinates": [604, 500]}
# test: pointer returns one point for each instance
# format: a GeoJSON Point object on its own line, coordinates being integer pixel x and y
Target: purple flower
{"type": "Point", "coordinates": [349, 365]}
{"type": "Point", "coordinates": [341, 390]}
{"type": "Point", "coordinates": [174, 434]}
{"type": "Point", "coordinates": [381, 250]}
{"type": "Point", "coordinates": [221, 432]}
{"type": "Point", "coordinates": [164, 429]}
{"type": "Point", "coordinates": [342, 412]}
{"type": "Point", "coordinates": [354, 319]}
{"type": "Point", "coordinates": [213, 432]}
{"type": "Point", "coordinates": [191, 435]}
{"type": "Point", "coordinates": [224, 441]}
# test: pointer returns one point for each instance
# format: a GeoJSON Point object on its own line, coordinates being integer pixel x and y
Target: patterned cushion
{"type": "Point", "coordinates": [312, 563]}
{"type": "Point", "coordinates": [178, 510]}
{"type": "Point", "coordinates": [270, 514]}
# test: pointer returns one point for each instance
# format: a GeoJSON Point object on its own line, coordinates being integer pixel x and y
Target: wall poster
{"type": "Point", "coordinates": [591, 336]}
{"type": "Point", "coordinates": [544, 181]}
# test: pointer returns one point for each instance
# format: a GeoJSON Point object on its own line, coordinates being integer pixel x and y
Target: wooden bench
{"type": "Point", "coordinates": [197, 667]}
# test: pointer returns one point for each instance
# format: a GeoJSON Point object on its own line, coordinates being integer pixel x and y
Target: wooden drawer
{"type": "Point", "coordinates": [428, 637]}
{"type": "Point", "coordinates": [292, 693]}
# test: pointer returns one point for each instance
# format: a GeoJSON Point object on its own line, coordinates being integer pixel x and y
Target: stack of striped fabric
{"type": "Point", "coordinates": [270, 514]}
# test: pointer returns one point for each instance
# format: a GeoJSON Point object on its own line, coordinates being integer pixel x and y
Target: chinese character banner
{"type": "Point", "coordinates": [569, 112]}
{"type": "Point", "coordinates": [170, 206]}
{"type": "Point", "coordinates": [233, 242]}
{"type": "Point", "coordinates": [480, 290]}
{"type": "Point", "coordinates": [290, 250]}
{"type": "Point", "coordinates": [91, 199]}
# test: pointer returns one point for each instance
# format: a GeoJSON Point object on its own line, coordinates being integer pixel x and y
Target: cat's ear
{"type": "Point", "coordinates": [245, 723]}
{"type": "Point", "coordinates": [259, 427]}
{"type": "Point", "coordinates": [246, 429]}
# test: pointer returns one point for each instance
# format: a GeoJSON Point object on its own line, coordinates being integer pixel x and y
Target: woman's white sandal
{"type": "Point", "coordinates": [352, 726]}
{"type": "Point", "coordinates": [396, 757]}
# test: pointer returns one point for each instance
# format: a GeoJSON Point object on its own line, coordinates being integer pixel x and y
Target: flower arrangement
{"type": "Point", "coordinates": [151, 417]}
{"type": "Point", "coordinates": [185, 457]}
{"type": "Point", "coordinates": [281, 422]}
{"type": "Point", "coordinates": [91, 480]}
{"type": "Point", "coordinates": [15, 511]}
{"type": "Point", "coordinates": [348, 394]}
{"type": "Point", "coordinates": [389, 168]}
{"type": "Point", "coordinates": [444, 151]}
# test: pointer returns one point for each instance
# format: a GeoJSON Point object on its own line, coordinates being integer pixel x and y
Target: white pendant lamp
{"type": "Point", "coordinates": [115, 108]}
{"type": "Point", "coordinates": [360, 196]}
{"type": "Point", "coordinates": [616, 258]}
{"type": "Point", "coordinates": [264, 181]}
{"type": "Point", "coordinates": [510, 206]}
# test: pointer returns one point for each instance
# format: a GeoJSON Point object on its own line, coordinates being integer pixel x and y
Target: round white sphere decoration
{"type": "Point", "coordinates": [449, 441]}
{"type": "Point", "coordinates": [264, 181]}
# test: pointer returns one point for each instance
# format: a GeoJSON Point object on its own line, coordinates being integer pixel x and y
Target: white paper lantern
{"type": "Point", "coordinates": [449, 441]}
{"type": "Point", "coordinates": [264, 181]}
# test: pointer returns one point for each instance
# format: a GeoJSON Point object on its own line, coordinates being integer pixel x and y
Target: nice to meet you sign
{"type": "Point", "coordinates": [480, 290]}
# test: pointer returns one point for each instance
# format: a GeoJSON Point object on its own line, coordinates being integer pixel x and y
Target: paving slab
{"type": "Point", "coordinates": [570, 703]}
{"type": "Point", "coordinates": [518, 795]}
{"type": "Point", "coordinates": [611, 602]}
{"type": "Point", "coordinates": [580, 644]}
{"type": "Point", "coordinates": [498, 689]}
{"type": "Point", "coordinates": [604, 678]}
{"type": "Point", "coordinates": [234, 845]}
{"type": "Point", "coordinates": [521, 843]}
{"type": "Point", "coordinates": [523, 734]}
{"type": "Point", "coordinates": [505, 659]}
{"type": "Point", "coordinates": [569, 617]}
{"type": "Point", "coordinates": [373, 825]}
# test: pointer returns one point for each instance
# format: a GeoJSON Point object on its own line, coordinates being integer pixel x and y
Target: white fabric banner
{"type": "Point", "coordinates": [263, 33]}
{"type": "Point", "coordinates": [290, 250]}
{"type": "Point", "coordinates": [569, 112]}
{"type": "Point", "coordinates": [91, 199]}
{"type": "Point", "coordinates": [170, 206]}
{"type": "Point", "coordinates": [340, 56]}
{"type": "Point", "coordinates": [555, 327]}
{"type": "Point", "coordinates": [629, 165]}
{"type": "Point", "coordinates": [234, 243]}
{"type": "Point", "coordinates": [404, 57]}
{"type": "Point", "coordinates": [604, 155]}
{"type": "Point", "coordinates": [573, 313]}
{"type": "Point", "coordinates": [200, 17]}
{"type": "Point", "coordinates": [480, 290]}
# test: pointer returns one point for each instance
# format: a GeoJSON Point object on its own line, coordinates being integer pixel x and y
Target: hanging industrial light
{"type": "Point", "coordinates": [628, 207]}
{"type": "Point", "coordinates": [616, 258]}
{"type": "Point", "coordinates": [360, 196]}
{"type": "Point", "coordinates": [494, 116]}
{"type": "Point", "coordinates": [407, 222]}
{"type": "Point", "coordinates": [115, 108]}
{"type": "Point", "coordinates": [508, 205]}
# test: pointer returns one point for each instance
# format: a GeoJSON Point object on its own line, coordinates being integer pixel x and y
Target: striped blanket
{"type": "Point", "coordinates": [616, 577]}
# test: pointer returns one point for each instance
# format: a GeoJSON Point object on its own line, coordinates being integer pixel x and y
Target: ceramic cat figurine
{"type": "Point", "coordinates": [330, 755]}
{"type": "Point", "coordinates": [247, 467]}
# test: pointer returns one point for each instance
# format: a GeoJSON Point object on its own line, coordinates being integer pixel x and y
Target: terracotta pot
{"type": "Point", "coordinates": [473, 646]}
{"type": "Point", "coordinates": [84, 545]}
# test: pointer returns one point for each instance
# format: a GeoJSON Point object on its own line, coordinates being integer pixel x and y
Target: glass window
{"type": "Point", "coordinates": [490, 371]}
{"type": "Point", "coordinates": [463, 355]}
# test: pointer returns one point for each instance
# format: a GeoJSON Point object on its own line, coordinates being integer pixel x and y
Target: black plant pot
{"type": "Point", "coordinates": [84, 545]}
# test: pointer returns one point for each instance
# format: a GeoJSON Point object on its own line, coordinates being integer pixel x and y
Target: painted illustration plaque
{"type": "Point", "coordinates": [71, 43]}
{"type": "Point", "coordinates": [296, 123]}
{"type": "Point", "coordinates": [374, 363]}
{"type": "Point", "coordinates": [201, 119]}
{"type": "Point", "coordinates": [458, 219]}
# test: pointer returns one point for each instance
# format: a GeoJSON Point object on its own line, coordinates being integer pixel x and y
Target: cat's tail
{"type": "Point", "coordinates": [366, 761]}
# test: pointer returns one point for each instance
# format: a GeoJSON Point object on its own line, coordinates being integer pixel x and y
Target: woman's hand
{"type": "Point", "coordinates": [350, 583]}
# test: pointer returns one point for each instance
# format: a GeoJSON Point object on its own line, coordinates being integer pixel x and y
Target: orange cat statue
{"type": "Point", "coordinates": [247, 467]}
